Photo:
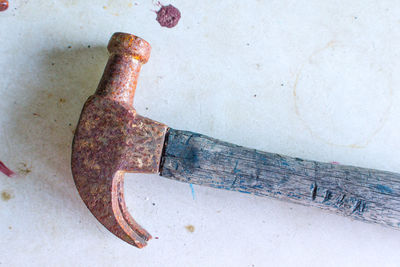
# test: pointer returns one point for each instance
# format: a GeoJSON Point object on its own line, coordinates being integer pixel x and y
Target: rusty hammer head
{"type": "Point", "coordinates": [111, 139]}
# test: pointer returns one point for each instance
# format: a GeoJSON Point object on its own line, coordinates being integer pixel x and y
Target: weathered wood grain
{"type": "Point", "coordinates": [364, 194]}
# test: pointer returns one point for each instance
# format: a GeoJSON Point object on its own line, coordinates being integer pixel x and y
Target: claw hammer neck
{"type": "Point", "coordinates": [119, 80]}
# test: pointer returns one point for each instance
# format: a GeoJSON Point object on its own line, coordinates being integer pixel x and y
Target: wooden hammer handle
{"type": "Point", "coordinates": [364, 194]}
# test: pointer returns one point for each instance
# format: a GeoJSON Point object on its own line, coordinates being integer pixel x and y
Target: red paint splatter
{"type": "Point", "coordinates": [168, 16]}
{"type": "Point", "coordinates": [5, 170]}
{"type": "Point", "coordinates": [3, 5]}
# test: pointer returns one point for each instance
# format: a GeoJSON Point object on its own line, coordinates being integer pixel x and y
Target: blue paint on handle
{"type": "Point", "coordinates": [243, 191]}
{"type": "Point", "coordinates": [235, 170]}
{"type": "Point", "coordinates": [284, 163]}
{"type": "Point", "coordinates": [384, 189]}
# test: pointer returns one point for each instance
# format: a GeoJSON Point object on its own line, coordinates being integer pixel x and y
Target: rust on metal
{"type": "Point", "coordinates": [3, 5]}
{"type": "Point", "coordinates": [111, 139]}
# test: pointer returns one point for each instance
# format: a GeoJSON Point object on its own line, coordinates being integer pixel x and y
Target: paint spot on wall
{"type": "Point", "coordinates": [5, 196]}
{"type": "Point", "coordinates": [4, 169]}
{"type": "Point", "coordinates": [168, 16]}
{"type": "Point", "coordinates": [190, 228]}
{"type": "Point", "coordinates": [193, 193]}
{"type": "Point", "coordinates": [3, 5]}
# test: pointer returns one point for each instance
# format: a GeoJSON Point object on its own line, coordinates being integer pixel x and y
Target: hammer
{"type": "Point", "coordinates": [112, 139]}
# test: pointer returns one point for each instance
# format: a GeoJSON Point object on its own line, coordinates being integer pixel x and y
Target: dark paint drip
{"type": "Point", "coordinates": [359, 206]}
{"type": "Point", "coordinates": [314, 189]}
{"type": "Point", "coordinates": [328, 196]}
{"type": "Point", "coordinates": [341, 200]}
{"type": "Point", "coordinates": [168, 16]}
{"type": "Point", "coordinates": [4, 169]}
{"type": "Point", "coordinates": [3, 5]}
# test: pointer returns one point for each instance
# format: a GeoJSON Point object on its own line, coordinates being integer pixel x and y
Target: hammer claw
{"type": "Point", "coordinates": [140, 231]}
{"type": "Point", "coordinates": [127, 230]}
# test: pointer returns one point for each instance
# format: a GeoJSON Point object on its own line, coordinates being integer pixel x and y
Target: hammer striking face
{"type": "Point", "coordinates": [111, 139]}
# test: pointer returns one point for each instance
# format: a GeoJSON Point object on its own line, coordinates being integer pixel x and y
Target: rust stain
{"type": "Point", "coordinates": [62, 100]}
{"type": "Point", "coordinates": [331, 43]}
{"type": "Point", "coordinates": [382, 121]}
{"type": "Point", "coordinates": [190, 228]}
{"type": "Point", "coordinates": [3, 5]}
{"type": "Point", "coordinates": [23, 168]}
{"type": "Point", "coordinates": [5, 196]}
